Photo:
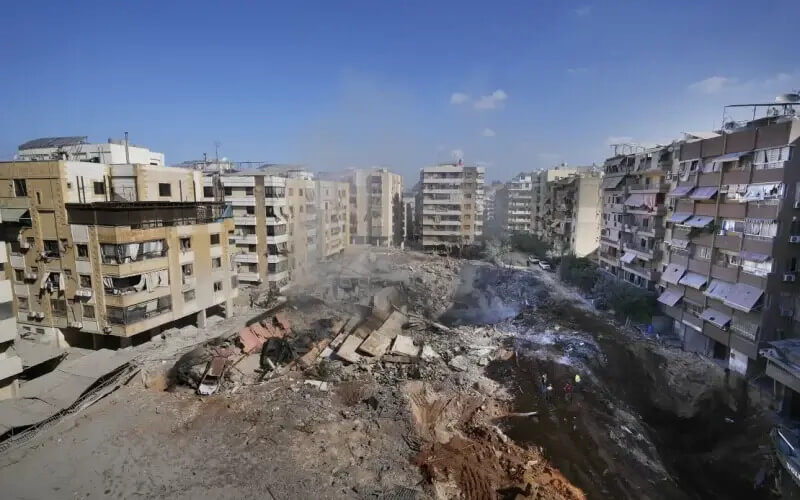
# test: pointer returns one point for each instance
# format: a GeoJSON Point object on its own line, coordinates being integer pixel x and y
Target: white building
{"type": "Point", "coordinates": [10, 363]}
{"type": "Point", "coordinates": [451, 197]}
{"type": "Point", "coordinates": [518, 217]}
{"type": "Point", "coordinates": [114, 152]}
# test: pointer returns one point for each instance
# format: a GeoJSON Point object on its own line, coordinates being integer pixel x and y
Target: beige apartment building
{"type": "Point", "coordinates": [102, 253]}
{"type": "Point", "coordinates": [303, 225]}
{"type": "Point", "coordinates": [333, 216]}
{"type": "Point", "coordinates": [541, 211]}
{"type": "Point", "coordinates": [451, 203]}
{"type": "Point", "coordinates": [515, 213]}
{"type": "Point", "coordinates": [634, 206]}
{"type": "Point", "coordinates": [572, 214]}
{"type": "Point", "coordinates": [10, 361]}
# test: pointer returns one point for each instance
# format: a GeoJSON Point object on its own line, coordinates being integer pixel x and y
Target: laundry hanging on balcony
{"type": "Point", "coordinates": [760, 192]}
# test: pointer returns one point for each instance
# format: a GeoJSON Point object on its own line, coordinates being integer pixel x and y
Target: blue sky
{"type": "Point", "coordinates": [515, 85]}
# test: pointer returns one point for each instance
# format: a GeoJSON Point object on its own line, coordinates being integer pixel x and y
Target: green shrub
{"type": "Point", "coordinates": [626, 300]}
{"type": "Point", "coordinates": [579, 272]}
{"type": "Point", "coordinates": [528, 243]}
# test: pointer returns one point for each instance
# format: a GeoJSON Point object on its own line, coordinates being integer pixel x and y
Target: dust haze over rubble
{"type": "Point", "coordinates": [457, 414]}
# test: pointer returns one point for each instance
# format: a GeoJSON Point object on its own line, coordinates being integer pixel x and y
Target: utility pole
{"type": "Point", "coordinates": [127, 153]}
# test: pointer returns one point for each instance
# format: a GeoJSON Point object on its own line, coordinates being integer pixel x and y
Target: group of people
{"type": "Point", "coordinates": [547, 388]}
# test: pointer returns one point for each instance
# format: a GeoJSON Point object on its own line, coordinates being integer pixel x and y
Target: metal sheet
{"type": "Point", "coordinates": [612, 182]}
{"type": "Point", "coordinates": [673, 273]}
{"type": "Point", "coordinates": [678, 217]}
{"type": "Point", "coordinates": [718, 289]}
{"type": "Point", "coordinates": [670, 297]}
{"type": "Point", "coordinates": [754, 256]}
{"type": "Point", "coordinates": [628, 257]}
{"type": "Point", "coordinates": [743, 297]}
{"type": "Point", "coordinates": [703, 193]}
{"type": "Point", "coordinates": [716, 318]}
{"type": "Point", "coordinates": [634, 200]}
{"type": "Point", "coordinates": [13, 214]}
{"type": "Point", "coordinates": [679, 243]}
{"type": "Point", "coordinates": [693, 280]}
{"type": "Point", "coordinates": [699, 221]}
{"type": "Point", "coordinates": [680, 191]}
{"type": "Point", "coordinates": [54, 142]}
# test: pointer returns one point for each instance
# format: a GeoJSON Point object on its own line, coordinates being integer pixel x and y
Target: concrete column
{"type": "Point", "coordinates": [229, 308]}
{"type": "Point", "coordinates": [201, 318]}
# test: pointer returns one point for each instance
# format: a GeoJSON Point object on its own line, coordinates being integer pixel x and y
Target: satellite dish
{"type": "Point", "coordinates": [788, 98]}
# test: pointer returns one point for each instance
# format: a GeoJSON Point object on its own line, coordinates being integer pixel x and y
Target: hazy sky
{"type": "Point", "coordinates": [515, 85]}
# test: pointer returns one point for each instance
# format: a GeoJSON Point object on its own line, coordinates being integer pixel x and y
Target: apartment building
{"type": "Point", "coordinates": [572, 214]}
{"type": "Point", "coordinates": [261, 217]}
{"type": "Point", "coordinates": [114, 152]}
{"type": "Point", "coordinates": [333, 216]}
{"type": "Point", "coordinates": [634, 195]}
{"type": "Point", "coordinates": [100, 254]}
{"type": "Point", "coordinates": [501, 206]}
{"type": "Point", "coordinates": [410, 217]}
{"type": "Point", "coordinates": [517, 214]}
{"type": "Point", "coordinates": [451, 201]}
{"type": "Point", "coordinates": [733, 239]}
{"type": "Point", "coordinates": [303, 226]}
{"type": "Point", "coordinates": [541, 209]}
{"type": "Point", "coordinates": [10, 362]}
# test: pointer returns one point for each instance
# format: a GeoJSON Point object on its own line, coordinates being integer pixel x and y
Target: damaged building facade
{"type": "Point", "coordinates": [634, 201]}
{"type": "Point", "coordinates": [99, 254]}
{"type": "Point", "coordinates": [450, 201]}
{"type": "Point", "coordinates": [572, 214]}
{"type": "Point", "coordinates": [513, 204]}
{"type": "Point", "coordinates": [541, 207]}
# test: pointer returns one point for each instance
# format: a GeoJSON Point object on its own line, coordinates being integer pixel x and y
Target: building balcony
{"type": "Point", "coordinates": [249, 277]}
{"type": "Point", "coordinates": [655, 211]}
{"type": "Point", "coordinates": [274, 240]}
{"type": "Point", "coordinates": [123, 316]}
{"type": "Point", "coordinates": [245, 239]}
{"type": "Point", "coordinates": [657, 187]}
{"type": "Point", "coordinates": [246, 257]}
{"type": "Point", "coordinates": [651, 231]}
{"type": "Point", "coordinates": [276, 221]}
{"type": "Point", "coordinates": [643, 272]}
{"type": "Point", "coordinates": [608, 258]}
{"type": "Point", "coordinates": [129, 298]}
{"type": "Point", "coordinates": [244, 220]}
{"type": "Point", "coordinates": [241, 201]}
{"type": "Point", "coordinates": [10, 366]}
{"type": "Point", "coordinates": [642, 252]}
{"type": "Point", "coordinates": [277, 258]}
{"type": "Point", "coordinates": [278, 276]}
{"type": "Point", "coordinates": [136, 267]}
{"type": "Point", "coordinates": [275, 202]}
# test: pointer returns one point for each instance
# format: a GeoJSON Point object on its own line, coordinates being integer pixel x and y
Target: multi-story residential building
{"type": "Point", "coordinates": [634, 196]}
{"type": "Point", "coordinates": [517, 215]}
{"type": "Point", "coordinates": [100, 253]}
{"type": "Point", "coordinates": [10, 362]}
{"type": "Point", "coordinates": [501, 205]}
{"type": "Point", "coordinates": [572, 220]}
{"type": "Point", "coordinates": [410, 218]}
{"type": "Point", "coordinates": [452, 205]}
{"type": "Point", "coordinates": [303, 224]}
{"type": "Point", "coordinates": [541, 209]}
{"type": "Point", "coordinates": [114, 152]}
{"type": "Point", "coordinates": [733, 234]}
{"type": "Point", "coordinates": [333, 216]}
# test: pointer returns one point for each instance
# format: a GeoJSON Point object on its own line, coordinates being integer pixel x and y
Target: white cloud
{"type": "Point", "coordinates": [458, 98]}
{"type": "Point", "coordinates": [492, 101]}
{"type": "Point", "coordinates": [583, 10]}
{"type": "Point", "coordinates": [619, 139]}
{"type": "Point", "coordinates": [487, 132]}
{"type": "Point", "coordinates": [712, 84]}
{"type": "Point", "coordinates": [457, 154]}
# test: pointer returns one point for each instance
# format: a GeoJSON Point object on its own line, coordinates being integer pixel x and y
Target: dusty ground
{"type": "Point", "coordinates": [446, 427]}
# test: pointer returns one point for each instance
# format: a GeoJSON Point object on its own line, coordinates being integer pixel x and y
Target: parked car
{"type": "Point", "coordinates": [545, 266]}
{"type": "Point", "coordinates": [532, 261]}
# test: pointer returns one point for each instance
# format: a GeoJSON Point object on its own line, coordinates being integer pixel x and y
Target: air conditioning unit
{"type": "Point", "coordinates": [31, 314]}
{"type": "Point", "coordinates": [39, 315]}
{"type": "Point", "coordinates": [789, 278]}
{"type": "Point", "coordinates": [75, 324]}
{"type": "Point", "coordinates": [31, 276]}
{"type": "Point", "coordinates": [794, 239]}
{"type": "Point", "coordinates": [24, 244]}
{"type": "Point", "coordinates": [83, 292]}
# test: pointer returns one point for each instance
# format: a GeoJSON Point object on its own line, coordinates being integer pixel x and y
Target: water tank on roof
{"type": "Point", "coordinates": [788, 98]}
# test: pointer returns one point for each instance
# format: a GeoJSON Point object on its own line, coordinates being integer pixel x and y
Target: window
{"type": "Point", "coordinates": [300, 192]}
{"type": "Point", "coordinates": [791, 264]}
{"type": "Point", "coordinates": [250, 210]}
{"type": "Point", "coordinates": [772, 158]}
{"type": "Point", "coordinates": [38, 197]}
{"type": "Point", "coordinates": [19, 275]}
{"type": "Point", "coordinates": [733, 225]}
{"type": "Point", "coordinates": [187, 270]}
{"type": "Point", "coordinates": [251, 248]}
{"type": "Point", "coordinates": [234, 281]}
{"type": "Point", "coordinates": [186, 243]}
{"type": "Point", "coordinates": [764, 228]}
{"type": "Point", "coordinates": [228, 191]}
{"type": "Point", "coordinates": [20, 187]}
{"type": "Point", "coordinates": [208, 191]}
{"type": "Point", "coordinates": [88, 311]}
{"type": "Point", "coordinates": [188, 296]}
{"type": "Point", "coordinates": [164, 189]}
{"type": "Point", "coordinates": [59, 307]}
{"type": "Point", "coordinates": [291, 192]}
{"type": "Point", "coordinates": [82, 251]}
{"type": "Point", "coordinates": [99, 187]}
{"type": "Point", "coordinates": [51, 248]}
{"type": "Point", "coordinates": [22, 303]}
{"type": "Point", "coordinates": [217, 286]}
{"type": "Point", "coordinates": [702, 253]}
{"type": "Point", "coordinates": [248, 191]}
{"type": "Point", "coordinates": [85, 280]}
{"type": "Point", "coordinates": [216, 262]}
{"type": "Point", "coordinates": [215, 239]}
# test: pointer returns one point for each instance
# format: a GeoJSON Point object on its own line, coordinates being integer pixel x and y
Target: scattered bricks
{"type": "Point", "coordinates": [282, 320]}
{"type": "Point", "coordinates": [308, 358]}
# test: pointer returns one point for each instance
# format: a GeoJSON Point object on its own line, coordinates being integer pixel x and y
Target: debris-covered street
{"type": "Point", "coordinates": [403, 375]}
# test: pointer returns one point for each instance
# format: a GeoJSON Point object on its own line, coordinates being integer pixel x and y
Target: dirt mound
{"type": "Point", "coordinates": [464, 455]}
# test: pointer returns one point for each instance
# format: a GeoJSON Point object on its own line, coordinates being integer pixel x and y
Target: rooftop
{"type": "Point", "coordinates": [54, 142]}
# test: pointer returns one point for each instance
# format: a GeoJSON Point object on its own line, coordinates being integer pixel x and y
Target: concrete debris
{"type": "Point", "coordinates": [459, 363]}
{"type": "Point", "coordinates": [319, 384]}
{"type": "Point", "coordinates": [405, 345]}
{"type": "Point", "coordinates": [428, 354]}
{"type": "Point", "coordinates": [252, 337]}
{"type": "Point", "coordinates": [347, 351]}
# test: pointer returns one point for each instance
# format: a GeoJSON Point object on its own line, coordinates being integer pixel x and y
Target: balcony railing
{"type": "Point", "coordinates": [138, 312]}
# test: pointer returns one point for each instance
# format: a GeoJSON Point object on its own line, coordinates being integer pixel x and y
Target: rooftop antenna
{"type": "Point", "coordinates": [127, 153]}
{"type": "Point", "coordinates": [217, 144]}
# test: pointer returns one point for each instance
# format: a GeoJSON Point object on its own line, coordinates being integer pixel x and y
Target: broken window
{"type": "Point", "coordinates": [85, 280]}
{"type": "Point", "coordinates": [187, 270]}
{"type": "Point", "coordinates": [51, 248]}
{"type": "Point", "coordinates": [22, 303]}
{"type": "Point", "coordinates": [88, 311]}
{"type": "Point", "coordinates": [208, 191]}
{"type": "Point", "coordinates": [138, 312]}
{"type": "Point", "coordinates": [188, 296]}
{"type": "Point", "coordinates": [20, 187]}
{"type": "Point", "coordinates": [99, 187]}
{"type": "Point", "coordinates": [214, 238]}
{"type": "Point", "coordinates": [132, 252]}
{"type": "Point", "coordinates": [217, 286]}
{"type": "Point", "coordinates": [59, 307]}
{"type": "Point", "coordinates": [19, 275]}
{"type": "Point", "coordinates": [216, 262]}
{"type": "Point", "coordinates": [82, 250]}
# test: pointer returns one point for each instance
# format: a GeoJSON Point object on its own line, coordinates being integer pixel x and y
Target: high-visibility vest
{"type": "Point", "coordinates": [577, 379]}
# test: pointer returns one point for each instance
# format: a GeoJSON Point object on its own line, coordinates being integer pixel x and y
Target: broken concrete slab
{"type": "Point", "coordinates": [347, 351]}
{"type": "Point", "coordinates": [308, 358]}
{"type": "Point", "coordinates": [459, 363]}
{"type": "Point", "coordinates": [319, 384]}
{"type": "Point", "coordinates": [397, 358]}
{"type": "Point", "coordinates": [375, 345]}
{"type": "Point", "coordinates": [404, 345]}
{"type": "Point", "coordinates": [428, 354]}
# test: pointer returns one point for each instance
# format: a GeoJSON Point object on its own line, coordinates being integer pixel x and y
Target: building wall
{"type": "Point", "coordinates": [10, 363]}
{"type": "Point", "coordinates": [108, 154]}
{"type": "Point", "coordinates": [586, 229]}
{"type": "Point", "coordinates": [333, 214]}
{"type": "Point", "coordinates": [452, 205]}
{"type": "Point", "coordinates": [303, 225]}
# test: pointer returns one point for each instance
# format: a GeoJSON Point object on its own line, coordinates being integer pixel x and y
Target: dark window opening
{"type": "Point", "coordinates": [164, 189]}
{"type": "Point", "coordinates": [99, 187]}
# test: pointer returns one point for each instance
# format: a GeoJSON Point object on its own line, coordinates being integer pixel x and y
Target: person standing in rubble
{"type": "Point", "coordinates": [577, 381]}
{"type": "Point", "coordinates": [544, 384]}
{"type": "Point", "coordinates": [548, 395]}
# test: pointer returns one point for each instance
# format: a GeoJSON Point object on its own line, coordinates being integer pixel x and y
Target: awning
{"type": "Point", "coordinates": [729, 157]}
{"type": "Point", "coordinates": [754, 256]}
{"type": "Point", "coordinates": [670, 297]}
{"type": "Point", "coordinates": [703, 193]}
{"type": "Point", "coordinates": [634, 200]}
{"type": "Point", "coordinates": [716, 318]}
{"type": "Point", "coordinates": [718, 289]}
{"type": "Point", "coordinates": [628, 257]}
{"type": "Point", "coordinates": [743, 297]}
{"type": "Point", "coordinates": [673, 273]}
{"type": "Point", "coordinates": [678, 217]}
{"type": "Point", "coordinates": [13, 214]}
{"type": "Point", "coordinates": [679, 243]}
{"type": "Point", "coordinates": [693, 280]}
{"type": "Point", "coordinates": [680, 191]}
{"type": "Point", "coordinates": [612, 182]}
{"type": "Point", "coordinates": [699, 221]}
